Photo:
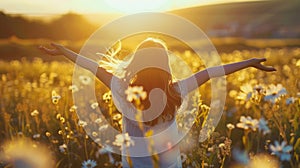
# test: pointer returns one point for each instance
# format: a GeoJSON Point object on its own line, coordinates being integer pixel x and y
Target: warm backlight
{"type": "Point", "coordinates": [134, 6]}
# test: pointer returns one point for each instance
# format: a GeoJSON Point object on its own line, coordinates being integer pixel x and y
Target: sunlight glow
{"type": "Point", "coordinates": [101, 6]}
{"type": "Point", "coordinates": [134, 6]}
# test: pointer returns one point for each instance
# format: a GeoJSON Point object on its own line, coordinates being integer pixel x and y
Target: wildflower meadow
{"type": "Point", "coordinates": [259, 126]}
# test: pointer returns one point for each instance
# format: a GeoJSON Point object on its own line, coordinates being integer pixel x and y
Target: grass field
{"type": "Point", "coordinates": [259, 127]}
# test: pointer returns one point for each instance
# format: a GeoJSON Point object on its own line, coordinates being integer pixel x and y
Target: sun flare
{"type": "Point", "coordinates": [134, 6]}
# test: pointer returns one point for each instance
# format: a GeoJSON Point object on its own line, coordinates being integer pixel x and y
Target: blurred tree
{"type": "Point", "coordinates": [5, 22]}
{"type": "Point", "coordinates": [71, 26]}
{"type": "Point", "coordinates": [67, 27]}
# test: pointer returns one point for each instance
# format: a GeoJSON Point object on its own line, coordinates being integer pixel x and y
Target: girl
{"type": "Point", "coordinates": [155, 75]}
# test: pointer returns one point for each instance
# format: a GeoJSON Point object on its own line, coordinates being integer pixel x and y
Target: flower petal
{"type": "Point", "coordinates": [287, 149]}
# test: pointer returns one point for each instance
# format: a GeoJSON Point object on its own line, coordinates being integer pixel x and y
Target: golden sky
{"type": "Point", "coordinates": [99, 6]}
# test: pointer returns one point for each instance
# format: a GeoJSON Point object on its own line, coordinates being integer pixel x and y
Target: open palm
{"type": "Point", "coordinates": [57, 50]}
{"type": "Point", "coordinates": [257, 63]}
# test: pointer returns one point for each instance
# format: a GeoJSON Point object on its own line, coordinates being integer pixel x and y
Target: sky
{"type": "Point", "coordinates": [41, 7]}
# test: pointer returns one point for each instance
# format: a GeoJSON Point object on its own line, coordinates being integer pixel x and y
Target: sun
{"type": "Point", "coordinates": [135, 6]}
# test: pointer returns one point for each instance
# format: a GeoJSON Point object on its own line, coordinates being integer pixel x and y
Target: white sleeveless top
{"type": "Point", "coordinates": [163, 135]}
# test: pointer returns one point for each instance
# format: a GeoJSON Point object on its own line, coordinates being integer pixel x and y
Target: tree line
{"type": "Point", "coordinates": [69, 26]}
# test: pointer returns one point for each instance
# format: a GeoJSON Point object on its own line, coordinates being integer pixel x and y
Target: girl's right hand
{"type": "Point", "coordinates": [257, 63]}
{"type": "Point", "coordinates": [57, 50]}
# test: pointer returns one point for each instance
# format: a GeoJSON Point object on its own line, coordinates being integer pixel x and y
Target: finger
{"type": "Point", "coordinates": [263, 59]}
{"type": "Point", "coordinates": [56, 45]}
{"type": "Point", "coordinates": [42, 48]}
{"type": "Point", "coordinates": [268, 68]}
{"type": "Point", "coordinates": [53, 44]}
{"type": "Point", "coordinates": [46, 50]}
{"type": "Point", "coordinates": [272, 69]}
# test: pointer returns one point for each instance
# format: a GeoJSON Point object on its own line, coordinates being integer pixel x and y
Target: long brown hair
{"type": "Point", "coordinates": [152, 77]}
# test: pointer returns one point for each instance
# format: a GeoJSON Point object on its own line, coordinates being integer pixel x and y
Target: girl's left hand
{"type": "Point", "coordinates": [256, 63]}
{"type": "Point", "coordinates": [57, 50]}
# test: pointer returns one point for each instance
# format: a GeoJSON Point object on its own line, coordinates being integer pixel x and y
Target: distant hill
{"type": "Point", "coordinates": [260, 19]}
{"type": "Point", "coordinates": [274, 18]}
{"type": "Point", "coordinates": [256, 19]}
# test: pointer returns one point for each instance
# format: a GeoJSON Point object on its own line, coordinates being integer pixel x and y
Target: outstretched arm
{"type": "Point", "coordinates": [203, 76]}
{"type": "Point", "coordinates": [104, 76]}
